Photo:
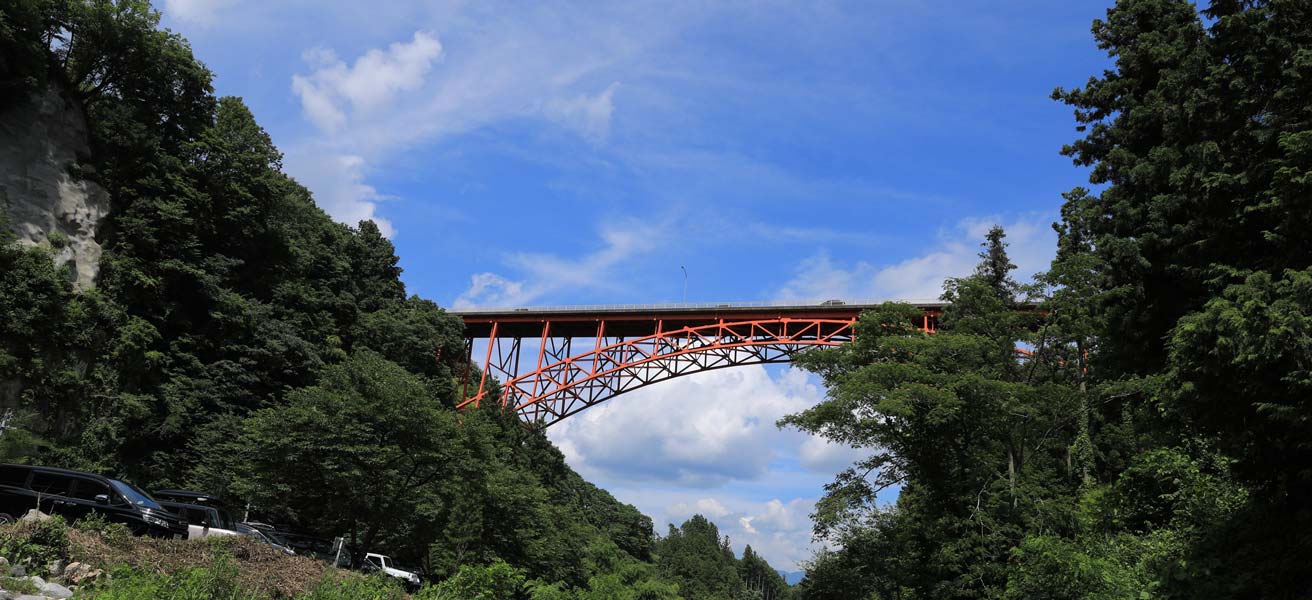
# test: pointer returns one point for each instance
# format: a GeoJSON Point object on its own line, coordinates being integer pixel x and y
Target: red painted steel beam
{"type": "Point", "coordinates": [634, 348]}
{"type": "Point", "coordinates": [557, 388]}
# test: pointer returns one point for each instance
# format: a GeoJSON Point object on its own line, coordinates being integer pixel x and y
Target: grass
{"type": "Point", "coordinates": [216, 568]}
{"type": "Point", "coordinates": [21, 586]}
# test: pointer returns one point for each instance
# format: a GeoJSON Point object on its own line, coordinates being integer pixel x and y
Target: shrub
{"type": "Point", "coordinates": [1053, 568]}
{"type": "Point", "coordinates": [215, 582]}
{"type": "Point", "coordinates": [18, 585]}
{"type": "Point", "coordinates": [497, 581]}
{"type": "Point", "coordinates": [52, 536]}
{"type": "Point", "coordinates": [37, 543]}
{"type": "Point", "coordinates": [375, 587]}
{"type": "Point", "coordinates": [57, 239]}
{"type": "Point", "coordinates": [93, 522]}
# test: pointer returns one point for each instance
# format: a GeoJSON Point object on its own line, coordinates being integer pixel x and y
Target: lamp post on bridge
{"type": "Point", "coordinates": [685, 283]}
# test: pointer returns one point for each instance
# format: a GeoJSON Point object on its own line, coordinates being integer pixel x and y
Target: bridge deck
{"type": "Point", "coordinates": [530, 351]}
{"type": "Point", "coordinates": [633, 320]}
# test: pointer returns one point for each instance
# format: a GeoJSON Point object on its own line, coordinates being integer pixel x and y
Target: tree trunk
{"type": "Point", "coordinates": [1011, 473]}
{"type": "Point", "coordinates": [1085, 475]}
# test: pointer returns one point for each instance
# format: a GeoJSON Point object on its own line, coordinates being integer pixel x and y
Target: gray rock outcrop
{"type": "Point", "coordinates": [47, 200]}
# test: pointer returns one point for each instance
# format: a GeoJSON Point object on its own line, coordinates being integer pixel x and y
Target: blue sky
{"type": "Point", "coordinates": [581, 152]}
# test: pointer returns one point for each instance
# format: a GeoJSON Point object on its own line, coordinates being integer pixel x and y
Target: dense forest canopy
{"type": "Point", "coordinates": [1153, 440]}
{"type": "Point", "coordinates": [240, 341]}
{"type": "Point", "coordinates": [1144, 434]}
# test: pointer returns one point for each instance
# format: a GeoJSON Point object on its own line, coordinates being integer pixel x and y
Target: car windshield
{"type": "Point", "coordinates": [257, 534]}
{"type": "Point", "coordinates": [225, 519]}
{"type": "Point", "coordinates": [135, 495]}
{"type": "Point", "coordinates": [275, 537]}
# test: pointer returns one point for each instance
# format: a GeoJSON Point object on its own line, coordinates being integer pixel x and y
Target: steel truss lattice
{"type": "Point", "coordinates": [561, 382]}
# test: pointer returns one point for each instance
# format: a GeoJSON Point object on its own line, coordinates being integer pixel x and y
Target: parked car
{"type": "Point", "coordinates": [75, 495]}
{"type": "Point", "coordinates": [378, 562]}
{"type": "Point", "coordinates": [265, 534]}
{"type": "Point", "coordinates": [191, 497]}
{"type": "Point", "coordinates": [203, 521]}
{"type": "Point", "coordinates": [316, 547]}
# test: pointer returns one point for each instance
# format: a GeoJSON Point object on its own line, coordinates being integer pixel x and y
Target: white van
{"type": "Point", "coordinates": [203, 521]}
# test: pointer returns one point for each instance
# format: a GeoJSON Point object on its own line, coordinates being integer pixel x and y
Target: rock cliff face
{"type": "Point", "coordinates": [42, 190]}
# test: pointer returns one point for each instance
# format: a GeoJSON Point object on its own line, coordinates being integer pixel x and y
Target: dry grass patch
{"type": "Point", "coordinates": [257, 568]}
{"type": "Point", "coordinates": [246, 563]}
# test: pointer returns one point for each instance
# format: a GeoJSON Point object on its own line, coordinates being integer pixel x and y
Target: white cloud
{"type": "Point", "coordinates": [553, 65]}
{"type": "Point", "coordinates": [337, 181]}
{"type": "Point", "coordinates": [491, 289]}
{"type": "Point", "coordinates": [780, 517]}
{"type": "Point", "coordinates": [541, 274]}
{"type": "Point", "coordinates": [368, 85]}
{"type": "Point", "coordinates": [201, 12]}
{"type": "Point", "coordinates": [1031, 247]}
{"type": "Point", "coordinates": [809, 235]}
{"type": "Point", "coordinates": [389, 99]}
{"type": "Point", "coordinates": [700, 430]}
{"type": "Point", "coordinates": [588, 115]}
{"type": "Point", "coordinates": [817, 278]}
{"type": "Point", "coordinates": [822, 456]}
{"type": "Point", "coordinates": [709, 507]}
{"type": "Point", "coordinates": [776, 529]}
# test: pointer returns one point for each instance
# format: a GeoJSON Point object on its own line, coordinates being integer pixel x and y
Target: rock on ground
{"type": "Point", "coordinates": [54, 590]}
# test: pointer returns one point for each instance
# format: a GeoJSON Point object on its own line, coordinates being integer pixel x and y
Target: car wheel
{"type": "Point", "coordinates": [6, 518]}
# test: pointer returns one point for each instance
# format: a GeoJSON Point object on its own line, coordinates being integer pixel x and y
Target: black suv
{"type": "Point", "coordinates": [74, 495]}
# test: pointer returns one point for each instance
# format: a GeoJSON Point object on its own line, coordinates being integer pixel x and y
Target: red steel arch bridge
{"type": "Point", "coordinates": [553, 362]}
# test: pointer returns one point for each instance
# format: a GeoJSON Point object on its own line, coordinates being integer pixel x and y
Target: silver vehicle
{"type": "Point", "coordinates": [203, 521]}
{"type": "Point", "coordinates": [266, 534]}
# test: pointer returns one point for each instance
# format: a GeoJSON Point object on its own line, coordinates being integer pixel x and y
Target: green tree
{"type": "Point", "coordinates": [242, 342]}
{"type": "Point", "coordinates": [495, 581]}
{"type": "Point", "coordinates": [695, 557]}
{"type": "Point", "coordinates": [759, 579]}
{"type": "Point", "coordinates": [1199, 137]}
{"type": "Point", "coordinates": [976, 437]}
{"type": "Point", "coordinates": [349, 455]}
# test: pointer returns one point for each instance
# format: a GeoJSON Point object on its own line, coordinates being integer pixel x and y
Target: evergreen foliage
{"type": "Point", "coordinates": [1151, 440]}
{"type": "Point", "coordinates": [240, 341]}
{"type": "Point", "coordinates": [704, 567]}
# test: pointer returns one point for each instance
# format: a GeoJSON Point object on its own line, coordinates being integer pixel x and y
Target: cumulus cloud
{"type": "Point", "coordinates": [368, 85]}
{"type": "Point", "coordinates": [540, 274]}
{"type": "Point", "coordinates": [777, 529]}
{"type": "Point", "coordinates": [708, 507]}
{"type": "Point", "coordinates": [1031, 246]}
{"type": "Point", "coordinates": [334, 96]}
{"type": "Point", "coordinates": [700, 430]}
{"type": "Point", "coordinates": [338, 183]}
{"type": "Point", "coordinates": [822, 456]}
{"type": "Point", "coordinates": [490, 289]}
{"type": "Point", "coordinates": [817, 277]}
{"type": "Point", "coordinates": [492, 66]}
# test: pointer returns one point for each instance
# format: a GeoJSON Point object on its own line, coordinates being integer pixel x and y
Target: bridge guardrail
{"type": "Point", "coordinates": [690, 305]}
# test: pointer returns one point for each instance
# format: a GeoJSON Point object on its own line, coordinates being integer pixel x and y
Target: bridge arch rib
{"type": "Point", "coordinates": [554, 363]}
